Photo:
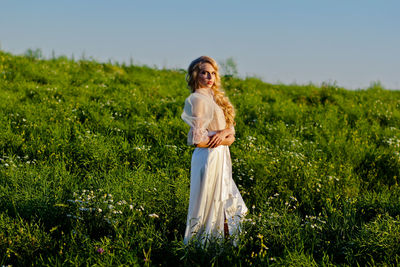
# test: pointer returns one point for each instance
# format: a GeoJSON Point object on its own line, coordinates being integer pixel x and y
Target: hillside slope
{"type": "Point", "coordinates": [94, 168]}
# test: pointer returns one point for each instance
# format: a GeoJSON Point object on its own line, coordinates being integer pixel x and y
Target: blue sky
{"type": "Point", "coordinates": [352, 43]}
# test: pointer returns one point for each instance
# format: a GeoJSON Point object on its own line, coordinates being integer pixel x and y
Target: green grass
{"type": "Point", "coordinates": [94, 169]}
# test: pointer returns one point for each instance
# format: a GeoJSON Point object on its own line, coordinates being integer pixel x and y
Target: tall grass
{"type": "Point", "coordinates": [94, 169]}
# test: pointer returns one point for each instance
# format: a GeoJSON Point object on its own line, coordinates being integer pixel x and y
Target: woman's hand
{"type": "Point", "coordinates": [216, 139]}
{"type": "Point", "coordinates": [224, 137]}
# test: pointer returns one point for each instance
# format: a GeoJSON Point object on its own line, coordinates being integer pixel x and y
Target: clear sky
{"type": "Point", "coordinates": [350, 42]}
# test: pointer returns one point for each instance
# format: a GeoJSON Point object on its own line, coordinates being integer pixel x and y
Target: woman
{"type": "Point", "coordinates": [216, 206]}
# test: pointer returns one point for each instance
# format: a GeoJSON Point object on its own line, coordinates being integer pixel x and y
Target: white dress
{"type": "Point", "coordinates": [214, 196]}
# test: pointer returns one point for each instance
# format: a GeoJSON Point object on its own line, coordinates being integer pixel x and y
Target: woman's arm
{"type": "Point", "coordinates": [228, 140]}
{"type": "Point", "coordinates": [226, 132]}
{"type": "Point", "coordinates": [220, 137]}
{"type": "Point", "coordinates": [224, 137]}
{"type": "Point", "coordinates": [203, 144]}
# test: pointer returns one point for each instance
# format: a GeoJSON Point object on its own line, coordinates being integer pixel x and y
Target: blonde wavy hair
{"type": "Point", "coordinates": [219, 94]}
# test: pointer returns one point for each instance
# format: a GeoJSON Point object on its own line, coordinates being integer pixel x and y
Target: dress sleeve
{"type": "Point", "coordinates": [197, 113]}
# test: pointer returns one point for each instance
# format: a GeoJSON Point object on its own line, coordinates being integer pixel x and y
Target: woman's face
{"type": "Point", "coordinates": [206, 76]}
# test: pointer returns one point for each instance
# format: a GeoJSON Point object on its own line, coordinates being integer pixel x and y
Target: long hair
{"type": "Point", "coordinates": [219, 94]}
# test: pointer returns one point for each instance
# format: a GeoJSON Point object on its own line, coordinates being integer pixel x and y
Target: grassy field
{"type": "Point", "coordinates": [94, 169]}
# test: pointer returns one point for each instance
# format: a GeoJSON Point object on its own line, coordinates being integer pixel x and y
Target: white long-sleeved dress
{"type": "Point", "coordinates": [213, 193]}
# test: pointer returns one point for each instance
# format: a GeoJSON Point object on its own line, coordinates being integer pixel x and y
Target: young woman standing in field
{"type": "Point", "coordinates": [216, 206]}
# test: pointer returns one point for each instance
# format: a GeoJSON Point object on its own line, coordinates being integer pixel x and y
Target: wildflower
{"type": "Point", "coordinates": [100, 251]}
{"type": "Point", "coordinates": [153, 215]}
{"type": "Point", "coordinates": [131, 207]}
